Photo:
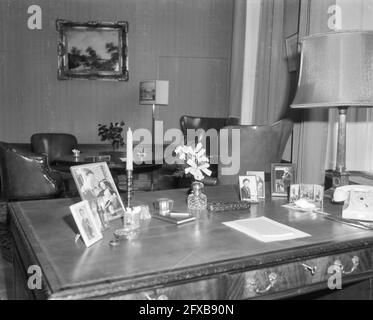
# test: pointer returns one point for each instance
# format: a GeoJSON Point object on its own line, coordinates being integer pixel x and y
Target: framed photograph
{"type": "Point", "coordinates": [282, 176]}
{"type": "Point", "coordinates": [86, 223]}
{"type": "Point", "coordinates": [92, 50]}
{"type": "Point", "coordinates": [318, 195]}
{"type": "Point", "coordinates": [147, 92]}
{"type": "Point", "coordinates": [154, 92]}
{"type": "Point", "coordinates": [248, 188]}
{"type": "Point", "coordinates": [96, 185]}
{"type": "Point", "coordinates": [310, 193]}
{"type": "Point", "coordinates": [294, 193]}
{"type": "Point", "coordinates": [307, 191]}
{"type": "Point", "coordinates": [260, 182]}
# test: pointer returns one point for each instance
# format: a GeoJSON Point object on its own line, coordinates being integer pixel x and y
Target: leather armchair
{"type": "Point", "coordinates": [26, 176]}
{"type": "Point", "coordinates": [260, 146]}
{"type": "Point", "coordinates": [54, 145]}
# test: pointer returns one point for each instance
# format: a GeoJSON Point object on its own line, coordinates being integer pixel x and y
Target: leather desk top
{"type": "Point", "coordinates": [162, 251]}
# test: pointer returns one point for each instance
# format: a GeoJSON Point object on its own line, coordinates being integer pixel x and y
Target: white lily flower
{"type": "Point", "coordinates": [179, 149]}
{"type": "Point", "coordinates": [192, 163]}
{"type": "Point", "coordinates": [204, 159]}
{"type": "Point", "coordinates": [188, 149]}
{"type": "Point", "coordinates": [203, 166]}
{"type": "Point", "coordinates": [198, 147]}
{"type": "Point", "coordinates": [196, 159]}
{"type": "Point", "coordinates": [201, 153]}
{"type": "Point", "coordinates": [207, 171]}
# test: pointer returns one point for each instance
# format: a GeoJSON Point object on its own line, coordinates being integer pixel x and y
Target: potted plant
{"type": "Point", "coordinates": [112, 133]}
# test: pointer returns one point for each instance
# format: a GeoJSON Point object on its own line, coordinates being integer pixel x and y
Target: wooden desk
{"type": "Point", "coordinates": [200, 260]}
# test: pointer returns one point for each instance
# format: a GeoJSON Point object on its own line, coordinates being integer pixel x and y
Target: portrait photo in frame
{"type": "Point", "coordinates": [92, 50]}
{"type": "Point", "coordinates": [248, 188]}
{"type": "Point", "coordinates": [96, 185]}
{"type": "Point", "coordinates": [86, 223]}
{"type": "Point", "coordinates": [282, 176]}
{"type": "Point", "coordinates": [260, 182]}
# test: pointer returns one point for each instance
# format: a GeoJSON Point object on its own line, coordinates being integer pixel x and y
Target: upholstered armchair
{"type": "Point", "coordinates": [54, 145]}
{"type": "Point", "coordinates": [260, 146]}
{"type": "Point", "coordinates": [26, 176]}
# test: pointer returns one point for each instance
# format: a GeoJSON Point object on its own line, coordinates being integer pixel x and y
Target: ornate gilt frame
{"type": "Point", "coordinates": [65, 73]}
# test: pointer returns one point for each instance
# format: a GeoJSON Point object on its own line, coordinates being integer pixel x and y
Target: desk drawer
{"type": "Point", "coordinates": [298, 275]}
{"type": "Point", "coordinates": [199, 290]}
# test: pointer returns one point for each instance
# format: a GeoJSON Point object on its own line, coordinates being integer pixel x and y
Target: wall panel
{"type": "Point", "coordinates": [198, 86]}
{"type": "Point", "coordinates": [33, 100]}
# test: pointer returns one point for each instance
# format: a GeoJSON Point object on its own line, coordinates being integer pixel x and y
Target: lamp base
{"type": "Point", "coordinates": [335, 179]}
{"type": "Point", "coordinates": [340, 179]}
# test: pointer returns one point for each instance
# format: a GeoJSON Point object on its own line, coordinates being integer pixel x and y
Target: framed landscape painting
{"type": "Point", "coordinates": [92, 50]}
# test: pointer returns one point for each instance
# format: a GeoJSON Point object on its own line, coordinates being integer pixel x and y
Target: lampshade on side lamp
{"type": "Point", "coordinates": [336, 71]}
{"type": "Point", "coordinates": [154, 92]}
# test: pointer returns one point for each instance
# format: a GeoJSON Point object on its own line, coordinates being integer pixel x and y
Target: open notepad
{"type": "Point", "coordinates": [266, 230]}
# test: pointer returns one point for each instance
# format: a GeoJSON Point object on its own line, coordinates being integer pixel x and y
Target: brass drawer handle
{"type": "Point", "coordinates": [161, 297]}
{"type": "Point", "coordinates": [253, 286]}
{"type": "Point", "coordinates": [312, 270]}
{"type": "Point", "coordinates": [355, 263]}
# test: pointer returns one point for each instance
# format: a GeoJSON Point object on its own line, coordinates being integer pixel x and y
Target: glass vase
{"type": "Point", "coordinates": [197, 200]}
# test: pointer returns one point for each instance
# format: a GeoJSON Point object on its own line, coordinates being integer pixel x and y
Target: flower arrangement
{"type": "Point", "coordinates": [195, 161]}
{"type": "Point", "coordinates": [112, 133]}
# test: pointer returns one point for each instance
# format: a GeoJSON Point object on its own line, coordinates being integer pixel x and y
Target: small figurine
{"type": "Point", "coordinates": [76, 153]}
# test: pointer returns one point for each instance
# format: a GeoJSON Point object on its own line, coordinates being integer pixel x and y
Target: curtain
{"type": "Point", "coordinates": [244, 58]}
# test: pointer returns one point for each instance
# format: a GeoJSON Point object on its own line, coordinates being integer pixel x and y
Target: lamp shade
{"type": "Point", "coordinates": [154, 92]}
{"type": "Point", "coordinates": [336, 70]}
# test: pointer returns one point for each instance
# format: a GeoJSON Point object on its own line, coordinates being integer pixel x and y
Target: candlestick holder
{"type": "Point", "coordinates": [129, 223]}
{"type": "Point", "coordinates": [129, 187]}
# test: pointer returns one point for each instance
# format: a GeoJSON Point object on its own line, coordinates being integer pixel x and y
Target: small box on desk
{"type": "Point", "coordinates": [176, 218]}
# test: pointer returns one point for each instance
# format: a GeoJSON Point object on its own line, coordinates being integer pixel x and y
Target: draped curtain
{"type": "Point", "coordinates": [244, 58]}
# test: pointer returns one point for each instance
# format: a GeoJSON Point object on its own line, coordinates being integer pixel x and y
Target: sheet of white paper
{"type": "Point", "coordinates": [266, 230]}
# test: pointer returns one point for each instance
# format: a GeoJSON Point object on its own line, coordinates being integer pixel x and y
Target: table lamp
{"type": "Point", "coordinates": [336, 71]}
{"type": "Point", "coordinates": [154, 92]}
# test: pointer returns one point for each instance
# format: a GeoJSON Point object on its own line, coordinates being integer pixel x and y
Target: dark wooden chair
{"type": "Point", "coordinates": [54, 145]}
{"type": "Point", "coordinates": [205, 123]}
{"type": "Point", "coordinates": [260, 146]}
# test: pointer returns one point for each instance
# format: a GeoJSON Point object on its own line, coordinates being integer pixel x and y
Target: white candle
{"type": "Point", "coordinates": [129, 163]}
